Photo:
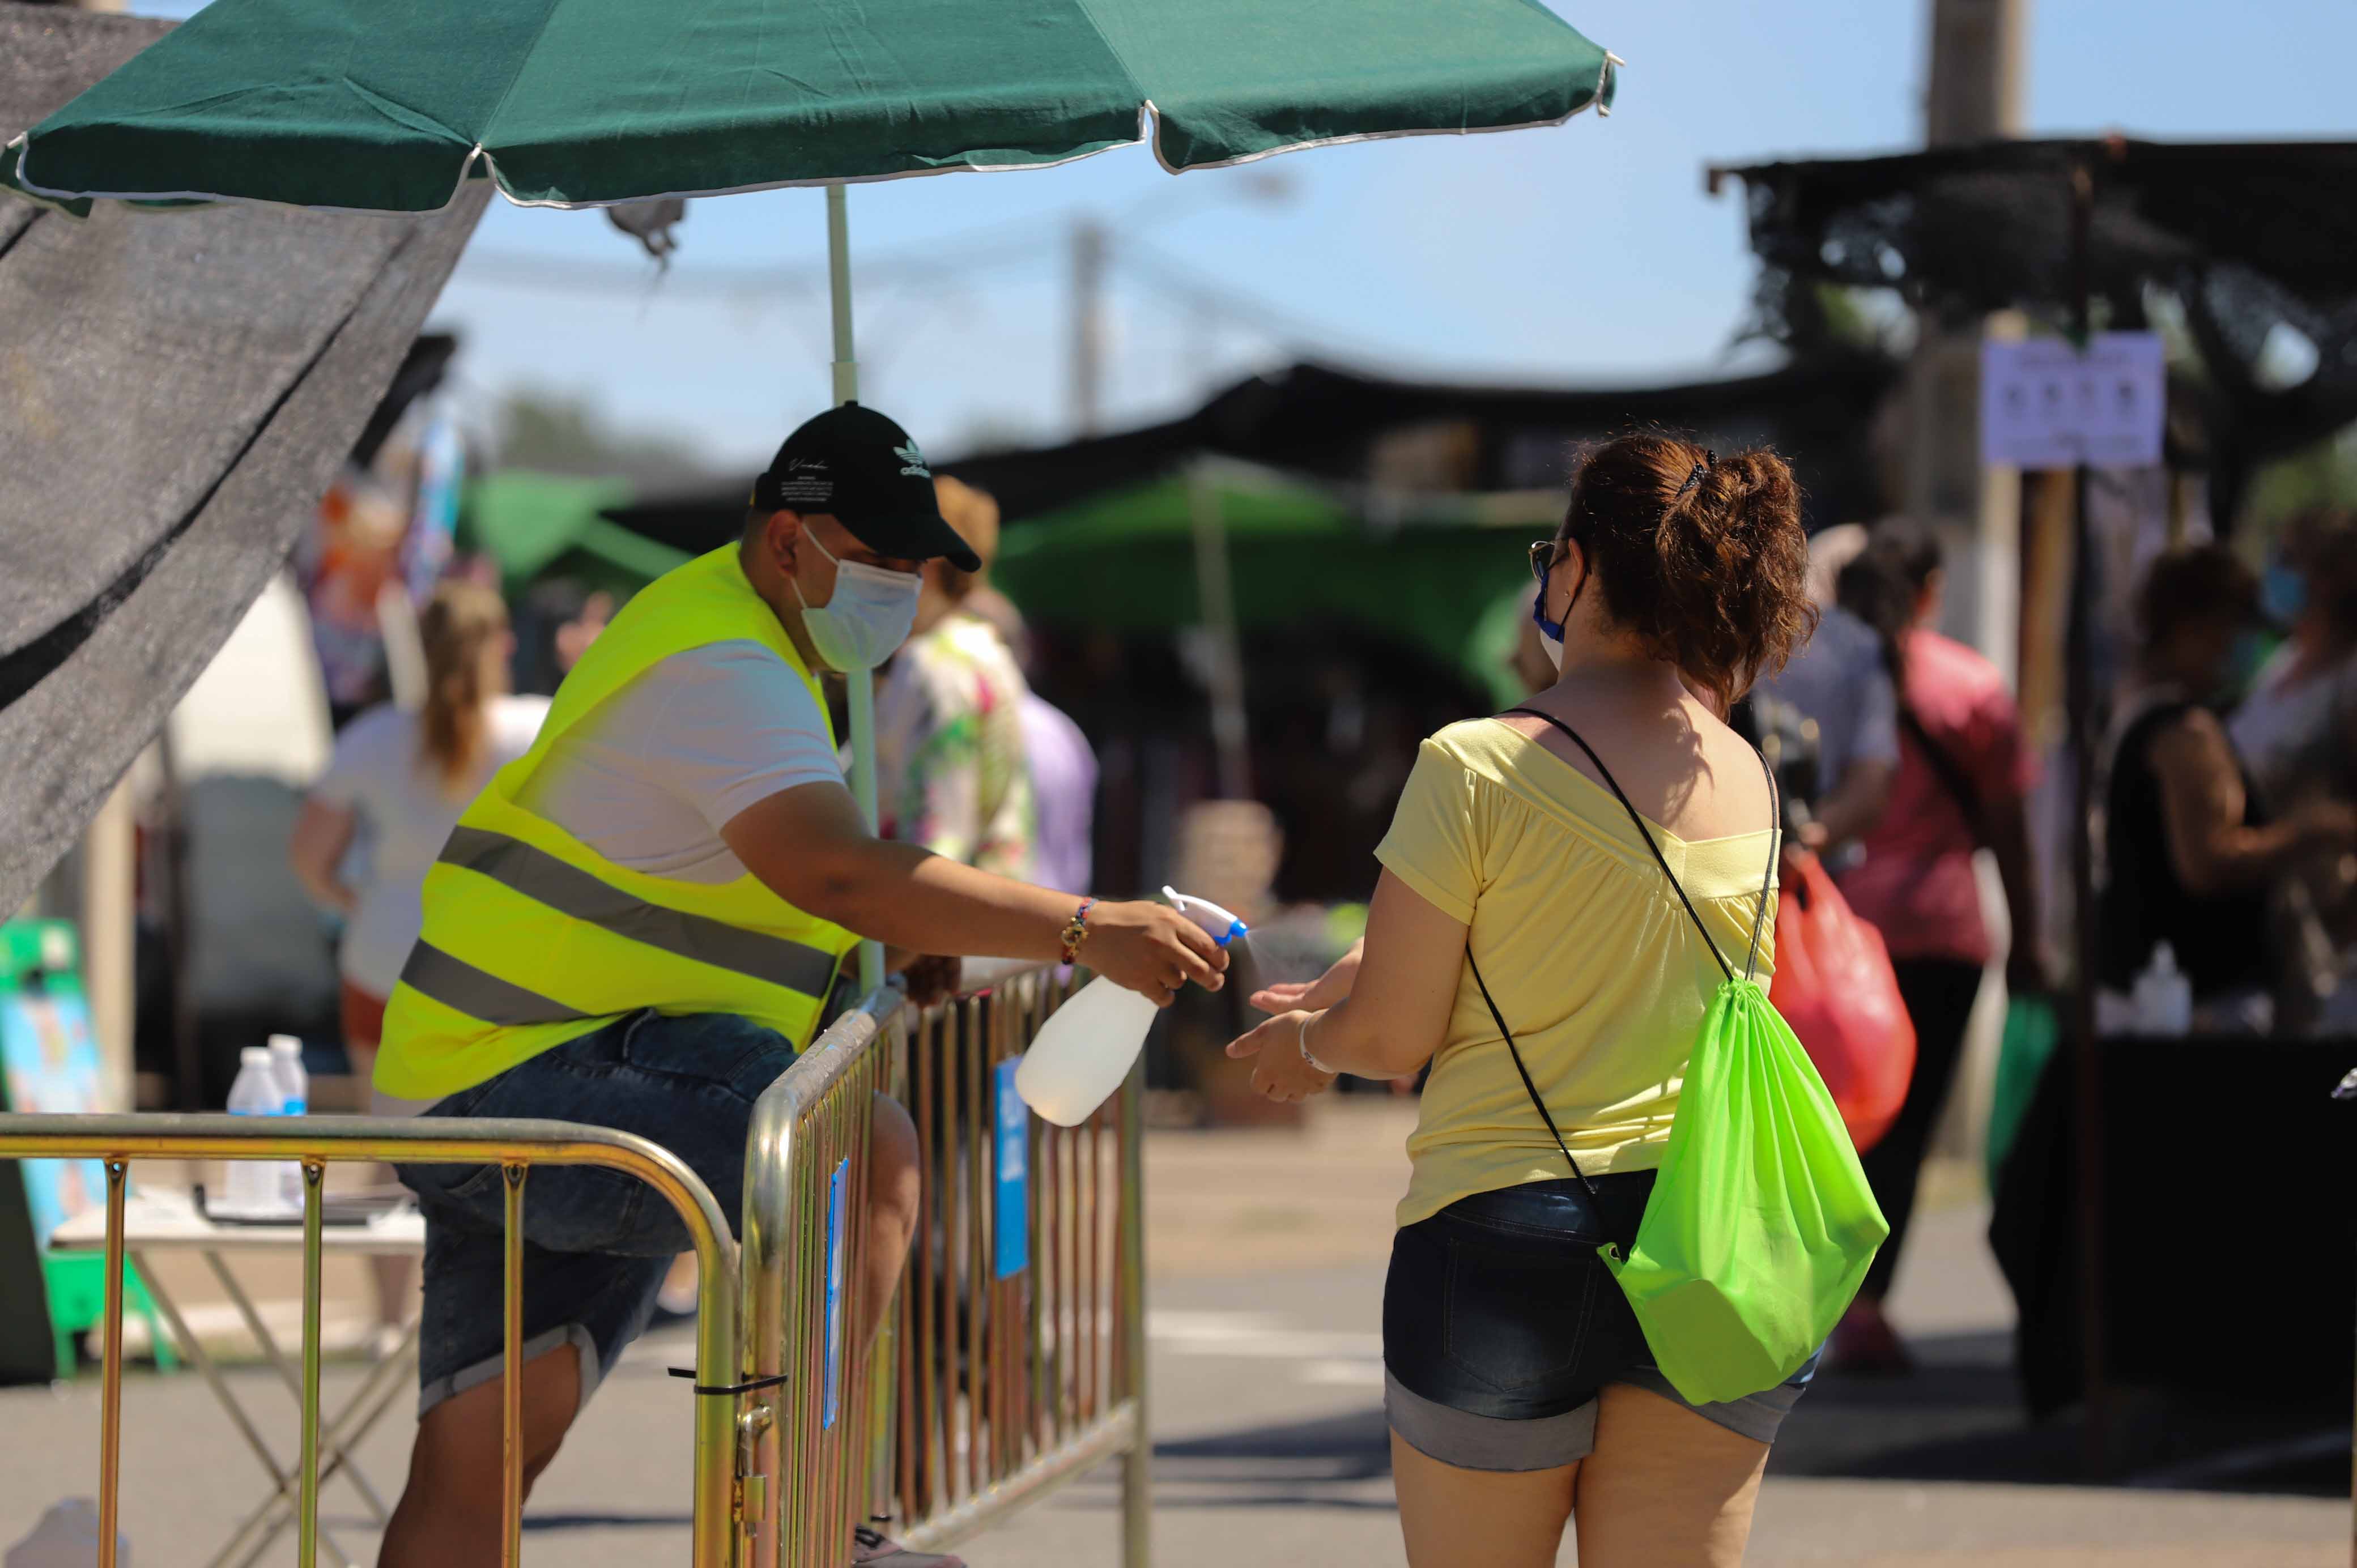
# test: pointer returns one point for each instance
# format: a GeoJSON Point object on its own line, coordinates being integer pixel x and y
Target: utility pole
{"type": "Point", "coordinates": [1972, 92]}
{"type": "Point", "coordinates": [1088, 326]}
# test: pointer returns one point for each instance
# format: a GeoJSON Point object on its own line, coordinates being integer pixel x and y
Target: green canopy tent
{"type": "Point", "coordinates": [1128, 561]}
{"type": "Point", "coordinates": [535, 525]}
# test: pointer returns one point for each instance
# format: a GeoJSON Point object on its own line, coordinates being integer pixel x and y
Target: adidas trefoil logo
{"type": "Point", "coordinates": [913, 461]}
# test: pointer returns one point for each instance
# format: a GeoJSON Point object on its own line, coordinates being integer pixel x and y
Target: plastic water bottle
{"type": "Point", "coordinates": [1084, 1050]}
{"type": "Point", "coordinates": [2163, 996]}
{"type": "Point", "coordinates": [295, 1090]}
{"type": "Point", "coordinates": [256, 1189]}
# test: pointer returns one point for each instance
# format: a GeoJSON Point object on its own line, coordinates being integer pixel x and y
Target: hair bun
{"type": "Point", "coordinates": [1703, 557]}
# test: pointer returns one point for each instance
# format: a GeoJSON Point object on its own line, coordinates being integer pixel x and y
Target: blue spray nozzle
{"type": "Point", "coordinates": [1224, 926]}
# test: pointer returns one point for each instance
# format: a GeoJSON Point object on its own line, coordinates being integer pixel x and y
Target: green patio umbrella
{"type": "Point", "coordinates": [392, 105]}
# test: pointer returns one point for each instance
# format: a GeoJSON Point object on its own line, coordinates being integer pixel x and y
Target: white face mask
{"type": "Point", "coordinates": [870, 615]}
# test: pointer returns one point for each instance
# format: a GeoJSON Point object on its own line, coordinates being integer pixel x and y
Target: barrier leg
{"type": "Point", "coordinates": [511, 1379]}
{"type": "Point", "coordinates": [1138, 1465]}
{"type": "Point", "coordinates": [306, 1518]}
{"type": "Point", "coordinates": [109, 1417]}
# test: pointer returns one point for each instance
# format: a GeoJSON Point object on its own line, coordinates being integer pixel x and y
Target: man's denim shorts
{"type": "Point", "coordinates": [1501, 1326]}
{"type": "Point", "coordinates": [597, 1242]}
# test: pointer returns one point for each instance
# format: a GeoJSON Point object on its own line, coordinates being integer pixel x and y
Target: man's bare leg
{"type": "Point", "coordinates": [895, 1187]}
{"type": "Point", "coordinates": [449, 1513]}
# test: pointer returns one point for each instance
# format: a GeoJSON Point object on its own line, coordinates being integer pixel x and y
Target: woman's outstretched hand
{"type": "Point", "coordinates": [1309, 995]}
{"type": "Point", "coordinates": [1281, 1071]}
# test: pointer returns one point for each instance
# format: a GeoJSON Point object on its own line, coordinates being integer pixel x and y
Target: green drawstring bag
{"type": "Point", "coordinates": [1760, 1224]}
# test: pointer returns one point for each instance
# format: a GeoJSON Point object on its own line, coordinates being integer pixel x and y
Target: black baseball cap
{"type": "Point", "coordinates": [860, 468]}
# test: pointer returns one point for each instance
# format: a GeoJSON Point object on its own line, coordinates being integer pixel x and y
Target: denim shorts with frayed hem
{"type": "Point", "coordinates": [1501, 1326]}
{"type": "Point", "coordinates": [597, 1242]}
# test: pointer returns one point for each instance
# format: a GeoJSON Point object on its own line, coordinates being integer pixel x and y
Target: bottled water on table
{"type": "Point", "coordinates": [255, 1188]}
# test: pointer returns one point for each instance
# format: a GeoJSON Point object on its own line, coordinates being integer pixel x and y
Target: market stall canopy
{"type": "Point", "coordinates": [170, 427]}
{"type": "Point", "coordinates": [1421, 438]}
{"type": "Point", "coordinates": [2250, 241]}
{"type": "Point", "coordinates": [354, 103]}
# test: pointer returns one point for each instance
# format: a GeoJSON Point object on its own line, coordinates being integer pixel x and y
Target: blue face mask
{"type": "Point", "coordinates": [1551, 632]}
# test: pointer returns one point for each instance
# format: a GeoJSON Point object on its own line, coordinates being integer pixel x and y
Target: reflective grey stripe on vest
{"type": "Point", "coordinates": [541, 876]}
{"type": "Point", "coordinates": [455, 984]}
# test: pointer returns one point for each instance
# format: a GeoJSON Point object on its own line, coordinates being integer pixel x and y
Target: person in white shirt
{"type": "Point", "coordinates": [396, 787]}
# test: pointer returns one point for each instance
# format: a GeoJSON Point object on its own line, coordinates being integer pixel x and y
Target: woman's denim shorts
{"type": "Point", "coordinates": [1501, 1326]}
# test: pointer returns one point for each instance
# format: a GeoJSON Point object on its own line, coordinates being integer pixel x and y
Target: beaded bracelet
{"type": "Point", "coordinates": [1077, 930]}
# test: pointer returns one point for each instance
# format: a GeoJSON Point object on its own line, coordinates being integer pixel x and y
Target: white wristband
{"type": "Point", "coordinates": [1306, 1056]}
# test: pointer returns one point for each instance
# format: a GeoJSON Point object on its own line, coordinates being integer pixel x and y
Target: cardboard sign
{"type": "Point", "coordinates": [2045, 406]}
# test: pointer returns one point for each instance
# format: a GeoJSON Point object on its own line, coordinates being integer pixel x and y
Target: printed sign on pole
{"type": "Point", "coordinates": [2045, 406]}
{"type": "Point", "coordinates": [1014, 1206]}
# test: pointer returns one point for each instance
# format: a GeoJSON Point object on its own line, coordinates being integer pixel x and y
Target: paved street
{"type": "Point", "coordinates": [1270, 1445]}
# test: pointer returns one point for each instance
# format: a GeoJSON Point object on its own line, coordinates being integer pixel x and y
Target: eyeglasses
{"type": "Point", "coordinates": [1543, 558]}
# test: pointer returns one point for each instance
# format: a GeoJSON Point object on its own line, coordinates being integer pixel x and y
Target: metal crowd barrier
{"type": "Point", "coordinates": [1012, 1361]}
{"type": "Point", "coordinates": [1014, 1358]}
{"type": "Point", "coordinates": [516, 1146]}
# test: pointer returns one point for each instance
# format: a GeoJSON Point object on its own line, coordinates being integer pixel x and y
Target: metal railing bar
{"type": "Point", "coordinates": [110, 1419]}
{"type": "Point", "coordinates": [307, 1517]}
{"type": "Point", "coordinates": [512, 1372]}
{"type": "Point", "coordinates": [971, 1051]}
{"type": "Point", "coordinates": [1034, 1481]}
{"type": "Point", "coordinates": [1137, 1465]}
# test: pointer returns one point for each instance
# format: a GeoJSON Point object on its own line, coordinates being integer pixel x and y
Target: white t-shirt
{"type": "Point", "coordinates": [405, 817]}
{"type": "Point", "coordinates": [651, 778]}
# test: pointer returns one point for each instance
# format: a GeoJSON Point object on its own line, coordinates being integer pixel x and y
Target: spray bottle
{"type": "Point", "coordinates": [1084, 1050]}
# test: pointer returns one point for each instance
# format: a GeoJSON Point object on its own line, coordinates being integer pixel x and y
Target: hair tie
{"type": "Point", "coordinates": [1693, 477]}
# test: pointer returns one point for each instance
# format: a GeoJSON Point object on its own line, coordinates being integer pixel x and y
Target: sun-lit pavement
{"type": "Point", "coordinates": [1268, 1249]}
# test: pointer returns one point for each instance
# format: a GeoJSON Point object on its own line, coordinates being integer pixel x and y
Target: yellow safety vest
{"type": "Point", "coordinates": [532, 939]}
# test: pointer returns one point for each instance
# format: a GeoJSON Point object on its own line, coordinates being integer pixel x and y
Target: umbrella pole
{"type": "Point", "coordinates": [860, 683]}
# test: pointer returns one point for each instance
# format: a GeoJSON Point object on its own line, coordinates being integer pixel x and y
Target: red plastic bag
{"type": "Point", "coordinates": [1833, 985]}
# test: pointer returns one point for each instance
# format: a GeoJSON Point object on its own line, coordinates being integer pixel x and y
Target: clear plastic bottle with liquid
{"type": "Point", "coordinates": [294, 1089]}
{"type": "Point", "coordinates": [1084, 1049]}
{"type": "Point", "coordinates": [2163, 995]}
{"type": "Point", "coordinates": [256, 1190]}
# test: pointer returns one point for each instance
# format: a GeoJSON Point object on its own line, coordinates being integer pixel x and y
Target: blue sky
{"type": "Point", "coordinates": [1586, 255]}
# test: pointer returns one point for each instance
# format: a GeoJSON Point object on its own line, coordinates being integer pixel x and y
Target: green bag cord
{"type": "Point", "coordinates": [1760, 1224]}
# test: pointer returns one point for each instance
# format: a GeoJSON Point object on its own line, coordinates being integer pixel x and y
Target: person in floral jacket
{"type": "Point", "coordinates": [951, 773]}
